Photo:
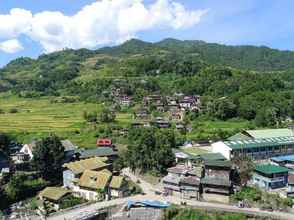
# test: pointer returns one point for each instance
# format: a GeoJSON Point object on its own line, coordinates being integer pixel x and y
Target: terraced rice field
{"type": "Point", "coordinates": [39, 117]}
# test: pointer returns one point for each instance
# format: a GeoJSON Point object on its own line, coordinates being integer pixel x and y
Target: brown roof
{"type": "Point", "coordinates": [95, 180]}
{"type": "Point", "coordinates": [178, 169]}
{"type": "Point", "coordinates": [191, 180]}
{"type": "Point", "coordinates": [291, 178]}
{"type": "Point", "coordinates": [79, 167]}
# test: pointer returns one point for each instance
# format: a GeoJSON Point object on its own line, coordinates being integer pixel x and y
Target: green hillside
{"type": "Point", "coordinates": [239, 85]}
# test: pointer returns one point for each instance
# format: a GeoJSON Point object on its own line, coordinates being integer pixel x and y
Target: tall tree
{"type": "Point", "coordinates": [49, 157]}
{"type": "Point", "coordinates": [245, 167]}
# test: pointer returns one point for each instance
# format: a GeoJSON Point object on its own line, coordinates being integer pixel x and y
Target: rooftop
{"type": "Point", "coordinates": [54, 193]}
{"type": "Point", "coordinates": [216, 181]}
{"type": "Point", "coordinates": [116, 182]}
{"type": "Point", "coordinates": [79, 167]}
{"type": "Point", "coordinates": [288, 158]}
{"type": "Point", "coordinates": [97, 152]}
{"type": "Point", "coordinates": [95, 179]}
{"type": "Point", "coordinates": [270, 133]}
{"type": "Point", "coordinates": [257, 143]}
{"type": "Point", "coordinates": [270, 169]}
{"type": "Point", "coordinates": [218, 163]}
{"type": "Point", "coordinates": [212, 156]}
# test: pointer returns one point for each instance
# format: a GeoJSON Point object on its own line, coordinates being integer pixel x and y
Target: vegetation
{"type": "Point", "coordinates": [22, 186]}
{"type": "Point", "coordinates": [150, 150]}
{"type": "Point", "coordinates": [257, 198]}
{"type": "Point", "coordinates": [245, 166]}
{"type": "Point", "coordinates": [49, 158]}
{"type": "Point", "coordinates": [175, 213]}
{"type": "Point", "coordinates": [71, 201]}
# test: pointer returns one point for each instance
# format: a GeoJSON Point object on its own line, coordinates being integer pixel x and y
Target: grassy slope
{"type": "Point", "coordinates": [39, 117]}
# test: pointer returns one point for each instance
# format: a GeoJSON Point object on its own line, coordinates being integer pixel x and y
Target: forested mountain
{"type": "Point", "coordinates": [235, 81]}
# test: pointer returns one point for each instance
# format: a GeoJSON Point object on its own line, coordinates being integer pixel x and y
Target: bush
{"type": "Point", "coordinates": [71, 201]}
{"type": "Point", "coordinates": [13, 110]}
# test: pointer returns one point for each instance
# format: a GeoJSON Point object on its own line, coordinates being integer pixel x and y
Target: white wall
{"type": "Point", "coordinates": [220, 147]}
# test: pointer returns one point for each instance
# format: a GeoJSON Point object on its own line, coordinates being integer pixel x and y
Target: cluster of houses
{"type": "Point", "coordinates": [205, 177]}
{"type": "Point", "coordinates": [87, 174]}
{"type": "Point", "coordinates": [272, 150]}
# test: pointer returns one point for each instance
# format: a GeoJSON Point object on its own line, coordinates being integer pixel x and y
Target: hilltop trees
{"type": "Point", "coordinates": [49, 157]}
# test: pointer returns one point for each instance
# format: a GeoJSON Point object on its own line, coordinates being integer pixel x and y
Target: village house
{"type": "Point", "coordinates": [177, 115]}
{"type": "Point", "coordinates": [51, 197]}
{"type": "Point", "coordinates": [125, 101]}
{"type": "Point", "coordinates": [101, 152]}
{"type": "Point", "coordinates": [74, 170]}
{"type": "Point", "coordinates": [190, 103]}
{"type": "Point", "coordinates": [171, 182]}
{"type": "Point", "coordinates": [269, 176]}
{"type": "Point", "coordinates": [4, 164]}
{"type": "Point", "coordinates": [118, 187]}
{"type": "Point", "coordinates": [160, 123]}
{"type": "Point", "coordinates": [93, 185]}
{"type": "Point", "coordinates": [216, 182]}
{"type": "Point", "coordinates": [284, 161]}
{"type": "Point", "coordinates": [104, 142]}
{"type": "Point", "coordinates": [290, 190]}
{"type": "Point", "coordinates": [148, 100]}
{"type": "Point", "coordinates": [190, 187]}
{"type": "Point", "coordinates": [26, 152]}
{"type": "Point", "coordinates": [141, 114]}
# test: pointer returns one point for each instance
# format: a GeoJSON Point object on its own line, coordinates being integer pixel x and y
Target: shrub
{"type": "Point", "coordinates": [70, 201]}
{"type": "Point", "coordinates": [13, 110]}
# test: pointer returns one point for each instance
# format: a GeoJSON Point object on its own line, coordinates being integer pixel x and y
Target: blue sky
{"type": "Point", "coordinates": [48, 25]}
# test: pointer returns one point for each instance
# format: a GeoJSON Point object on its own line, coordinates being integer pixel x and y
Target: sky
{"type": "Point", "coordinates": [34, 27]}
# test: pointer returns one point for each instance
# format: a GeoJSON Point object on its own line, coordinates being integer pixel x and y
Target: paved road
{"type": "Point", "coordinates": [149, 189]}
{"type": "Point", "coordinates": [150, 195]}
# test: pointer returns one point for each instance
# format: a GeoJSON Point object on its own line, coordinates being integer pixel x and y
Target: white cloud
{"type": "Point", "coordinates": [102, 22]}
{"type": "Point", "coordinates": [11, 46]}
{"type": "Point", "coordinates": [17, 22]}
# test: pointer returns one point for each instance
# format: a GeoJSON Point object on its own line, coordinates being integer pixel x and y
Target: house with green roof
{"type": "Point", "coordinates": [270, 176]}
{"type": "Point", "coordinates": [258, 149]}
{"type": "Point", "coordinates": [51, 197]}
{"type": "Point", "coordinates": [118, 187]}
{"type": "Point", "coordinates": [261, 134]}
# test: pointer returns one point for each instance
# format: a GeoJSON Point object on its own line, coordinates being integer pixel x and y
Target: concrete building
{"type": "Point", "coordinates": [269, 176]}
{"type": "Point", "coordinates": [258, 149]}
{"type": "Point", "coordinates": [216, 183]}
{"type": "Point", "coordinates": [261, 134]}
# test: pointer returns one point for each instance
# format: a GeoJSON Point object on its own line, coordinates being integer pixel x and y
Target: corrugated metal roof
{"type": "Point", "coordinates": [265, 142]}
{"type": "Point", "coordinates": [270, 133]}
{"type": "Point", "coordinates": [288, 158]}
{"type": "Point", "coordinates": [270, 169]}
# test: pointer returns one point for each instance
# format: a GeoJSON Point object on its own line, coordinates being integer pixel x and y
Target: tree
{"type": "Point", "coordinates": [49, 157]}
{"type": "Point", "coordinates": [107, 116]}
{"type": "Point", "coordinates": [4, 142]}
{"type": "Point", "coordinates": [90, 116]}
{"type": "Point", "coordinates": [150, 150]}
{"type": "Point", "coordinates": [245, 167]}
